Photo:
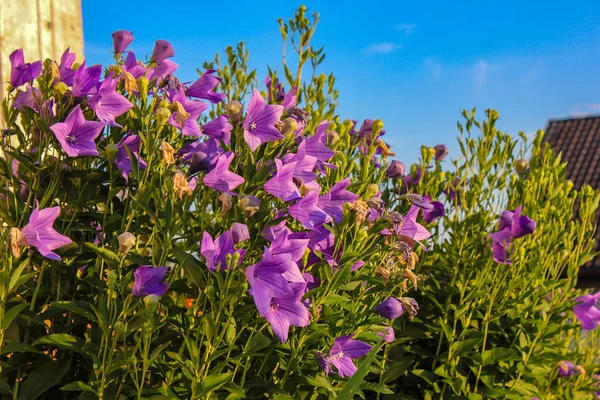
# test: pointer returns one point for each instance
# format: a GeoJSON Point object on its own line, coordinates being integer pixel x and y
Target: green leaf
{"type": "Point", "coordinates": [256, 343]}
{"type": "Point", "coordinates": [353, 385]}
{"type": "Point", "coordinates": [376, 387]}
{"type": "Point", "coordinates": [190, 266]}
{"type": "Point", "coordinates": [213, 382]}
{"type": "Point", "coordinates": [335, 299]}
{"type": "Point", "coordinates": [11, 315]}
{"type": "Point", "coordinates": [18, 347]}
{"type": "Point", "coordinates": [16, 279]}
{"type": "Point", "coordinates": [107, 255]}
{"type": "Point", "coordinates": [464, 346]}
{"type": "Point", "coordinates": [447, 330]}
{"type": "Point", "coordinates": [497, 354]}
{"type": "Point", "coordinates": [62, 340]}
{"type": "Point", "coordinates": [78, 386]}
{"type": "Point", "coordinates": [44, 378]}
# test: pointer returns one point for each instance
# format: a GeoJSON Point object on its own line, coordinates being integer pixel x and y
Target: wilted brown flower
{"type": "Point", "coordinates": [16, 240]}
{"type": "Point", "coordinates": [167, 152]}
{"type": "Point", "coordinates": [181, 185]}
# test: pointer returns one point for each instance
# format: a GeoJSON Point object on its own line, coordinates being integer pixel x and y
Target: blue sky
{"type": "Point", "coordinates": [415, 66]}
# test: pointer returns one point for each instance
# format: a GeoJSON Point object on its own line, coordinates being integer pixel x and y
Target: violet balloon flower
{"type": "Point", "coordinates": [587, 311]}
{"type": "Point", "coordinates": [122, 159]}
{"type": "Point", "coordinates": [391, 308]}
{"type": "Point", "coordinates": [307, 211]}
{"type": "Point", "coordinates": [107, 103]}
{"type": "Point", "coordinates": [40, 234]}
{"type": "Point", "coordinates": [259, 124]}
{"type": "Point", "coordinates": [333, 202]}
{"type": "Point", "coordinates": [203, 88]}
{"type": "Point", "coordinates": [343, 352]}
{"type": "Point", "coordinates": [221, 178]}
{"type": "Point", "coordinates": [149, 280]}
{"type": "Point", "coordinates": [162, 50]}
{"type": "Point", "coordinates": [21, 72]}
{"type": "Point", "coordinates": [76, 135]}
{"type": "Point", "coordinates": [282, 185]}
{"type": "Point", "coordinates": [121, 40]}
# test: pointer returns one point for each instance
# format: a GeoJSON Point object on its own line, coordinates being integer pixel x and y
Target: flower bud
{"type": "Point", "coordinates": [126, 242]}
{"type": "Point", "coordinates": [121, 39]}
{"type": "Point", "coordinates": [332, 138]}
{"type": "Point", "coordinates": [112, 278]}
{"type": "Point", "coordinates": [372, 190]}
{"type": "Point", "coordinates": [200, 162]}
{"type": "Point", "coordinates": [441, 151]}
{"type": "Point", "coordinates": [118, 328]}
{"type": "Point", "coordinates": [111, 151]}
{"type": "Point", "coordinates": [249, 205]}
{"type": "Point", "coordinates": [162, 50]}
{"type": "Point", "coordinates": [151, 303]}
{"type": "Point", "coordinates": [377, 127]}
{"type": "Point", "coordinates": [164, 103]}
{"type": "Point", "coordinates": [167, 151]}
{"type": "Point", "coordinates": [234, 110]}
{"type": "Point", "coordinates": [569, 185]}
{"type": "Point", "coordinates": [61, 88]}
{"type": "Point", "coordinates": [395, 170]}
{"type": "Point", "coordinates": [290, 126]}
{"type": "Point", "coordinates": [142, 84]}
{"type": "Point", "coordinates": [210, 291]}
{"type": "Point", "coordinates": [239, 232]}
{"type": "Point", "coordinates": [162, 115]}
{"type": "Point", "coordinates": [522, 166]}
{"type": "Point", "coordinates": [391, 308]}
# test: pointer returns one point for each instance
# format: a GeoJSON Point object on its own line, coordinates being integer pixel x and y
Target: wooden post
{"type": "Point", "coordinates": [43, 28]}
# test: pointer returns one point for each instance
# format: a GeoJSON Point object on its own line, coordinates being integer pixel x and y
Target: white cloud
{"type": "Point", "coordinates": [434, 68]}
{"type": "Point", "coordinates": [480, 72]}
{"type": "Point", "coordinates": [406, 28]}
{"type": "Point", "coordinates": [593, 107]}
{"type": "Point", "coordinates": [381, 48]}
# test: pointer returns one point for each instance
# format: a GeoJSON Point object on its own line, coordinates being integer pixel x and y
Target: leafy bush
{"type": "Point", "coordinates": [214, 240]}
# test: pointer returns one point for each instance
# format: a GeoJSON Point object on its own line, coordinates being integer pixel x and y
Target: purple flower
{"type": "Point", "coordinates": [85, 80]}
{"type": "Point", "coordinates": [441, 151]}
{"type": "Point", "coordinates": [291, 243]}
{"type": "Point", "coordinates": [436, 213]}
{"type": "Point", "coordinates": [307, 211]}
{"type": "Point", "coordinates": [413, 179]}
{"type": "Point", "coordinates": [343, 351]}
{"type": "Point", "coordinates": [391, 308]}
{"type": "Point", "coordinates": [203, 87]}
{"type": "Point", "coordinates": [267, 280]}
{"type": "Point", "coordinates": [522, 225]}
{"type": "Point", "coordinates": [567, 368]}
{"type": "Point", "coordinates": [122, 158]}
{"type": "Point", "coordinates": [411, 228]}
{"type": "Point", "coordinates": [259, 124]}
{"type": "Point", "coordinates": [220, 178]}
{"type": "Point", "coordinates": [29, 98]}
{"type": "Point", "coordinates": [121, 39]}
{"type": "Point", "coordinates": [219, 128]}
{"type": "Point", "coordinates": [282, 185]}
{"type": "Point", "coordinates": [162, 50]}
{"type": "Point", "coordinates": [76, 135]}
{"type": "Point", "coordinates": [304, 164]}
{"type": "Point", "coordinates": [40, 234]}
{"type": "Point", "coordinates": [239, 232]}
{"type": "Point", "coordinates": [587, 312]}
{"type": "Point", "coordinates": [333, 202]}
{"type": "Point", "coordinates": [500, 246]}
{"type": "Point", "coordinates": [417, 200]}
{"type": "Point", "coordinates": [107, 103]}
{"type": "Point", "coordinates": [148, 280]}
{"type": "Point", "coordinates": [215, 251]}
{"type": "Point", "coordinates": [21, 72]}
{"type": "Point", "coordinates": [387, 335]}
{"type": "Point", "coordinates": [131, 65]}
{"type": "Point", "coordinates": [395, 169]}
{"type": "Point", "coordinates": [66, 67]}
{"type": "Point", "coordinates": [315, 146]}
{"type": "Point", "coordinates": [285, 310]}
{"type": "Point", "coordinates": [187, 112]}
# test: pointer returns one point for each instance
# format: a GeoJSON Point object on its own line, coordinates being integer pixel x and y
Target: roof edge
{"type": "Point", "coordinates": [591, 116]}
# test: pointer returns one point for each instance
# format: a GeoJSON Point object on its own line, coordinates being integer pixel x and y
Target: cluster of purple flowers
{"type": "Point", "coordinates": [512, 225]}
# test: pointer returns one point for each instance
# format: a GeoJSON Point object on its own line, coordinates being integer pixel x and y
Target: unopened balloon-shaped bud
{"type": "Point", "coordinates": [126, 242]}
{"type": "Point", "coordinates": [441, 151]}
{"type": "Point", "coordinates": [289, 126]}
{"type": "Point", "coordinates": [522, 166]}
{"type": "Point", "coordinates": [61, 88]}
{"type": "Point", "coordinates": [151, 303]}
{"type": "Point", "coordinates": [372, 190]}
{"type": "Point", "coordinates": [396, 169]}
{"type": "Point", "coordinates": [111, 151]}
{"type": "Point", "coordinates": [112, 278]}
{"type": "Point", "coordinates": [234, 110]}
{"type": "Point", "coordinates": [162, 115]}
{"type": "Point", "coordinates": [332, 138]}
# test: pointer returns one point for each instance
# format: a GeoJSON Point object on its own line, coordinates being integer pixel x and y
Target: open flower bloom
{"type": "Point", "coordinates": [282, 184]}
{"type": "Point", "coordinates": [107, 103]}
{"type": "Point", "coordinates": [344, 350]}
{"type": "Point", "coordinates": [40, 234]}
{"type": "Point", "coordinates": [215, 251]}
{"type": "Point", "coordinates": [587, 312]}
{"type": "Point", "coordinates": [21, 72]}
{"type": "Point", "coordinates": [259, 125]}
{"type": "Point", "coordinates": [148, 280]}
{"type": "Point", "coordinates": [221, 178]}
{"type": "Point", "coordinates": [76, 135]}
{"type": "Point", "coordinates": [285, 310]}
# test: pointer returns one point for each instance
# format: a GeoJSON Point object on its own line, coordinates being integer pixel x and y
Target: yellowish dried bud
{"type": "Point", "coordinates": [408, 275]}
{"type": "Point", "coordinates": [361, 208]}
{"type": "Point", "coordinates": [130, 82]}
{"type": "Point", "coordinates": [181, 185]}
{"type": "Point", "coordinates": [182, 115]}
{"type": "Point", "coordinates": [126, 242]}
{"type": "Point", "coordinates": [385, 150]}
{"type": "Point", "coordinates": [16, 240]}
{"type": "Point", "coordinates": [234, 109]}
{"type": "Point", "coordinates": [54, 71]}
{"type": "Point", "coordinates": [167, 152]}
{"type": "Point", "coordinates": [226, 201]}
{"type": "Point", "coordinates": [289, 126]}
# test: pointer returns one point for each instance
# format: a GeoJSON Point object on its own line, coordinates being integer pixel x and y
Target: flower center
{"type": "Point", "coordinates": [274, 305]}
{"type": "Point", "coordinates": [253, 125]}
{"type": "Point", "coordinates": [337, 356]}
{"type": "Point", "coordinates": [71, 139]}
